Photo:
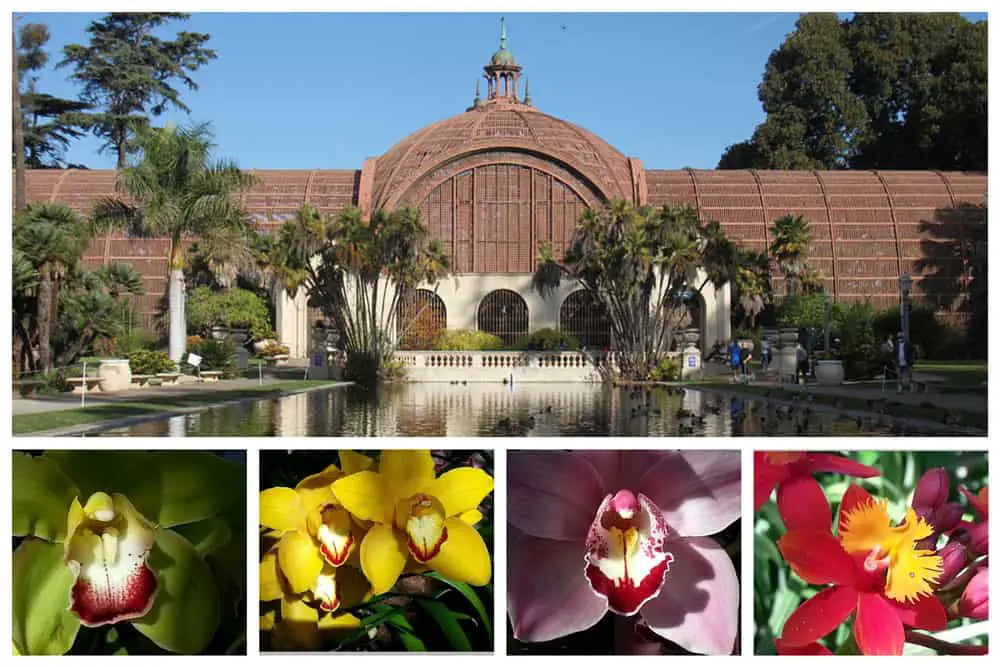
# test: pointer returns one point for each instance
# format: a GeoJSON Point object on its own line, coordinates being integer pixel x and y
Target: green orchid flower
{"type": "Point", "coordinates": [115, 537]}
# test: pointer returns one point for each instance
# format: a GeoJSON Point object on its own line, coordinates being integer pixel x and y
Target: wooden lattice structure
{"type": "Point", "coordinates": [584, 317]}
{"type": "Point", "coordinates": [421, 316]}
{"type": "Point", "coordinates": [504, 314]}
{"type": "Point", "coordinates": [499, 179]}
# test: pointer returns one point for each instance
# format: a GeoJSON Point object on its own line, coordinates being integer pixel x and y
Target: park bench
{"type": "Point", "coordinates": [92, 384]}
{"type": "Point", "coordinates": [141, 380]}
{"type": "Point", "coordinates": [211, 376]}
{"type": "Point", "coordinates": [27, 388]}
{"type": "Point", "coordinates": [169, 379]}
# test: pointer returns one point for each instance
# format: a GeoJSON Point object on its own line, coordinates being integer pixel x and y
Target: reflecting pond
{"type": "Point", "coordinates": [549, 409]}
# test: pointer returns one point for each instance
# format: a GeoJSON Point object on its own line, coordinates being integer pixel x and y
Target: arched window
{"type": "Point", "coordinates": [503, 313]}
{"type": "Point", "coordinates": [584, 317]}
{"type": "Point", "coordinates": [420, 316]}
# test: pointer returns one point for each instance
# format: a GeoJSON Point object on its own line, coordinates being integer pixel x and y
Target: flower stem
{"type": "Point", "coordinates": [630, 641]}
{"type": "Point", "coordinates": [943, 647]}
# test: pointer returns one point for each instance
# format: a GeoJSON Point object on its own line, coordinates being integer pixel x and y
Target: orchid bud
{"type": "Point", "coordinates": [953, 558]}
{"type": "Point", "coordinates": [946, 517]}
{"type": "Point", "coordinates": [979, 539]}
{"type": "Point", "coordinates": [975, 601]}
{"type": "Point", "coordinates": [932, 489]}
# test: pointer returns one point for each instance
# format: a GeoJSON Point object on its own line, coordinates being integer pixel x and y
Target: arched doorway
{"type": "Point", "coordinates": [584, 317]}
{"type": "Point", "coordinates": [504, 314]}
{"type": "Point", "coordinates": [420, 316]}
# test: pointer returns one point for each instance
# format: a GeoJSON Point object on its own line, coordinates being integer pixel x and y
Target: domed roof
{"type": "Point", "coordinates": [503, 57]}
{"type": "Point", "coordinates": [511, 127]}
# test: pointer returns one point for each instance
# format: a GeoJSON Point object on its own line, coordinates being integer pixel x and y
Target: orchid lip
{"type": "Point", "coordinates": [626, 561]}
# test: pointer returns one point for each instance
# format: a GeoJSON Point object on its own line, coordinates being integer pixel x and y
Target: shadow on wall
{"type": "Point", "coordinates": [953, 264]}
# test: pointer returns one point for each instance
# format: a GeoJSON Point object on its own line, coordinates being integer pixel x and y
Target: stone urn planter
{"type": "Point", "coordinates": [116, 374]}
{"type": "Point", "coordinates": [690, 337]}
{"type": "Point", "coordinates": [261, 345]}
{"type": "Point", "coordinates": [239, 336]}
{"type": "Point", "coordinates": [830, 372]}
{"type": "Point", "coordinates": [788, 337]}
{"type": "Point", "coordinates": [219, 332]}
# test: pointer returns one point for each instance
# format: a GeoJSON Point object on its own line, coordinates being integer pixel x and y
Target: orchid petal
{"type": "Point", "coordinates": [361, 494]}
{"type": "Point", "coordinates": [552, 494]}
{"type": "Point", "coordinates": [300, 560]}
{"type": "Point", "coordinates": [352, 462]}
{"type": "Point", "coordinates": [817, 557]}
{"type": "Point", "coordinates": [270, 577]}
{"type": "Point", "coordinates": [878, 629]}
{"type": "Point", "coordinates": [314, 491]}
{"type": "Point", "coordinates": [547, 594]}
{"type": "Point", "coordinates": [281, 509]}
{"type": "Point", "coordinates": [766, 476]}
{"type": "Point", "coordinates": [803, 505]}
{"type": "Point", "coordinates": [822, 462]}
{"type": "Point", "coordinates": [383, 557]}
{"type": "Point", "coordinates": [808, 649]}
{"type": "Point", "coordinates": [698, 605]}
{"type": "Point", "coordinates": [463, 556]}
{"type": "Point", "coordinates": [621, 468]}
{"type": "Point", "coordinates": [926, 613]}
{"type": "Point", "coordinates": [819, 616]}
{"type": "Point", "coordinates": [698, 491]}
{"type": "Point", "coordinates": [405, 472]}
{"type": "Point", "coordinates": [460, 489]}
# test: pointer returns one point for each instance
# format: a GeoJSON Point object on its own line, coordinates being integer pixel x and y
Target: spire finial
{"type": "Point", "coordinates": [527, 94]}
{"type": "Point", "coordinates": [503, 34]}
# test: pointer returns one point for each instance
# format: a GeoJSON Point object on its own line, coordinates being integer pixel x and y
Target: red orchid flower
{"type": "Point", "coordinates": [792, 473]}
{"type": "Point", "coordinates": [876, 572]}
{"type": "Point", "coordinates": [977, 534]}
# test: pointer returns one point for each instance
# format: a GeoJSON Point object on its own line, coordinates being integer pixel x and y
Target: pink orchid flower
{"type": "Point", "coordinates": [625, 532]}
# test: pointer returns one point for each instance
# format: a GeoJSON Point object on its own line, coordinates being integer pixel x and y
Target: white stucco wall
{"type": "Point", "coordinates": [462, 293]}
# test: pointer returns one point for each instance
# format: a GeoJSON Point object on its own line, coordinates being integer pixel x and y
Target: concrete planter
{"type": "Point", "coordinates": [115, 374]}
{"type": "Point", "coordinates": [788, 337]}
{"type": "Point", "coordinates": [830, 372]}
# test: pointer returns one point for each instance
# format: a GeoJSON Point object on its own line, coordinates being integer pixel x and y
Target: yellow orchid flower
{"type": "Point", "coordinates": [418, 515]}
{"type": "Point", "coordinates": [313, 529]}
{"type": "Point", "coordinates": [107, 544]}
{"type": "Point", "coordinates": [308, 618]}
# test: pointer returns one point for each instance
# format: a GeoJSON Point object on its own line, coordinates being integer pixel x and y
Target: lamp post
{"type": "Point", "coordinates": [905, 283]}
{"type": "Point", "coordinates": [826, 321]}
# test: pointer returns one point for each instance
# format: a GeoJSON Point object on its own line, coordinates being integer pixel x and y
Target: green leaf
{"type": "Point", "coordinates": [206, 536]}
{"type": "Point", "coordinates": [168, 488]}
{"type": "Point", "coordinates": [470, 595]}
{"type": "Point", "coordinates": [42, 623]}
{"type": "Point", "coordinates": [448, 623]}
{"type": "Point", "coordinates": [42, 495]}
{"type": "Point", "coordinates": [785, 602]}
{"type": "Point", "coordinates": [185, 614]}
{"type": "Point", "coordinates": [411, 642]}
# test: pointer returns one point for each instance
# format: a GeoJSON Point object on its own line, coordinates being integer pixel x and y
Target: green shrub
{"type": "Point", "coordinates": [137, 339]}
{"type": "Point", "coordinates": [932, 337]}
{"type": "Point", "coordinates": [235, 308]}
{"type": "Point", "coordinates": [808, 310]}
{"type": "Point", "coordinates": [547, 339]}
{"type": "Point", "coordinates": [217, 355]}
{"type": "Point", "coordinates": [466, 340]}
{"type": "Point", "coordinates": [150, 362]}
{"type": "Point", "coordinates": [667, 370]}
{"type": "Point", "coordinates": [858, 344]}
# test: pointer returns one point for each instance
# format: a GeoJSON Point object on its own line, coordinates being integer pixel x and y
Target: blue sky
{"type": "Point", "coordinates": [310, 91]}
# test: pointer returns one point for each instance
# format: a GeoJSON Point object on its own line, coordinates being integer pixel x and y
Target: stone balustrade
{"type": "Point", "coordinates": [489, 366]}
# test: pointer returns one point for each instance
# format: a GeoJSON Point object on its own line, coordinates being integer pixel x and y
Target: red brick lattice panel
{"type": "Point", "coordinates": [424, 316]}
{"type": "Point", "coordinates": [504, 314]}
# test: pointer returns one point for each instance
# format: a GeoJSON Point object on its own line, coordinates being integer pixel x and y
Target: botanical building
{"type": "Point", "coordinates": [498, 179]}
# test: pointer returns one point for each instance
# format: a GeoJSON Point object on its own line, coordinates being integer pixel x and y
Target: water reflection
{"type": "Point", "coordinates": [551, 409]}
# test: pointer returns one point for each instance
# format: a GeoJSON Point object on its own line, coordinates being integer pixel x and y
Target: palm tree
{"type": "Point", "coordinates": [175, 191]}
{"type": "Point", "coordinates": [753, 285]}
{"type": "Point", "coordinates": [792, 241]}
{"type": "Point", "coordinates": [52, 238]}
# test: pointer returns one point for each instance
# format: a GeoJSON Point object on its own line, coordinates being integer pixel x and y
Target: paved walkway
{"type": "Point", "coordinates": [867, 391]}
{"type": "Point", "coordinates": [40, 404]}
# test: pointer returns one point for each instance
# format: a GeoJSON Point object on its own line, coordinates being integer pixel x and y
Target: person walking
{"type": "Point", "coordinates": [734, 360]}
{"type": "Point", "coordinates": [766, 354]}
{"type": "Point", "coordinates": [801, 363]}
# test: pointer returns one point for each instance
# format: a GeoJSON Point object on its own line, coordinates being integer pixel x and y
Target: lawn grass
{"type": "Point", "coordinates": [924, 412]}
{"type": "Point", "coordinates": [168, 403]}
{"type": "Point", "coordinates": [957, 374]}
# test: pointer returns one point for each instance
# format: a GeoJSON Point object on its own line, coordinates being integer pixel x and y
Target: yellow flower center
{"type": "Point", "coordinates": [422, 518]}
{"type": "Point", "coordinates": [331, 525]}
{"type": "Point", "coordinates": [910, 572]}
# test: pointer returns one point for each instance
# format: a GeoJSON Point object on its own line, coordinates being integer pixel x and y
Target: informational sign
{"type": "Point", "coordinates": [692, 361]}
{"type": "Point", "coordinates": [318, 359]}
